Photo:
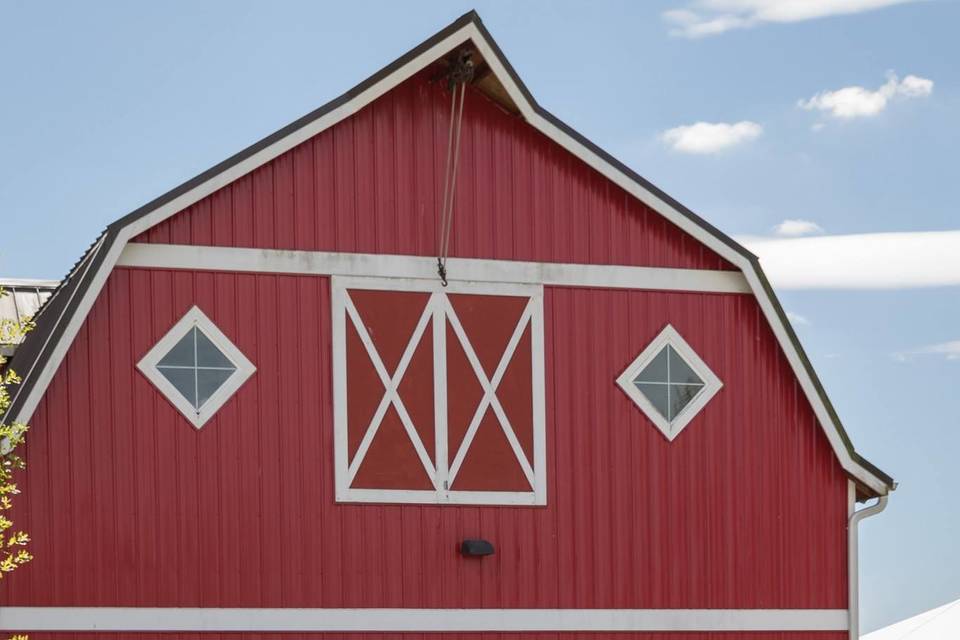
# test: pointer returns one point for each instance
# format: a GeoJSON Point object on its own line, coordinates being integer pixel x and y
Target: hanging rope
{"type": "Point", "coordinates": [460, 74]}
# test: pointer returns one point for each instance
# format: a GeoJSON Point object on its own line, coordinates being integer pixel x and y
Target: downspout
{"type": "Point", "coordinates": [853, 566]}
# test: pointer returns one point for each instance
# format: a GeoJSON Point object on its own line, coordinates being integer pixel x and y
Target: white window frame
{"type": "Point", "coordinates": [434, 318]}
{"type": "Point", "coordinates": [148, 367]}
{"type": "Point", "coordinates": [711, 383]}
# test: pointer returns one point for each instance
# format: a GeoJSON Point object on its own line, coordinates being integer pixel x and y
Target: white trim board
{"type": "Point", "coordinates": [417, 620]}
{"type": "Point", "coordinates": [201, 258]}
{"type": "Point", "coordinates": [529, 110]}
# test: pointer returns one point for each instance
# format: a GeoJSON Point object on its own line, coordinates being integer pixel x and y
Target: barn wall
{"type": "Point", "coordinates": [373, 184]}
{"type": "Point", "coordinates": [129, 505]}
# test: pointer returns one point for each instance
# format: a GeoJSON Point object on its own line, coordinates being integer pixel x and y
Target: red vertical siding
{"type": "Point", "coordinates": [372, 184]}
{"type": "Point", "coordinates": [129, 505]}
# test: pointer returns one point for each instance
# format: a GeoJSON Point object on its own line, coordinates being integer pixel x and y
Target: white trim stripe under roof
{"type": "Point", "coordinates": [469, 31]}
{"type": "Point", "coordinates": [202, 258]}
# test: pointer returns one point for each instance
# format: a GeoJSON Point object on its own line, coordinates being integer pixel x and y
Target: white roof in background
{"type": "Point", "coordinates": [942, 623]}
{"type": "Point", "coordinates": [23, 297]}
{"type": "Point", "coordinates": [28, 282]}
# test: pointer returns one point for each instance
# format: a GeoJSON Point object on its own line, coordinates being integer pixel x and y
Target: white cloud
{"type": "Point", "coordinates": [861, 261]}
{"type": "Point", "coordinates": [691, 24]}
{"type": "Point", "coordinates": [949, 350]}
{"type": "Point", "coordinates": [796, 228]}
{"type": "Point", "coordinates": [710, 17]}
{"type": "Point", "coordinates": [796, 319]}
{"type": "Point", "coordinates": [858, 102]}
{"type": "Point", "coordinates": [915, 87]}
{"type": "Point", "coordinates": [710, 137]}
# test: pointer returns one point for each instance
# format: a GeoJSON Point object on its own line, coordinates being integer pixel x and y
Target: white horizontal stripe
{"type": "Point", "coordinates": [168, 256]}
{"type": "Point", "coordinates": [424, 620]}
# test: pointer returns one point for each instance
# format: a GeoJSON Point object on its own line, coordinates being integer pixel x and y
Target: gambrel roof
{"type": "Point", "coordinates": [62, 317]}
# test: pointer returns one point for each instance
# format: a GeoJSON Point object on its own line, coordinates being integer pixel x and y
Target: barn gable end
{"type": "Point", "coordinates": [61, 319]}
{"type": "Point", "coordinates": [491, 405]}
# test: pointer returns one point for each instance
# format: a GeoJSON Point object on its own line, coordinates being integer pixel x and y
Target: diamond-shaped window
{"type": "Point", "coordinates": [196, 367]}
{"type": "Point", "coordinates": [669, 382]}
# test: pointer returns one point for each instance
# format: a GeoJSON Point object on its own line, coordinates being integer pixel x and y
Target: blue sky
{"type": "Point", "coordinates": [105, 106]}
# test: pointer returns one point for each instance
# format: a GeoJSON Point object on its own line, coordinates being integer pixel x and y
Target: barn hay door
{"type": "Point", "coordinates": [438, 392]}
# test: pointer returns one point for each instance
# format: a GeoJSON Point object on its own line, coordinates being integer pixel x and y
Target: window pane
{"type": "Point", "coordinates": [182, 353]}
{"type": "Point", "coordinates": [208, 381]}
{"type": "Point", "coordinates": [208, 355]}
{"type": "Point", "coordinates": [657, 395]}
{"type": "Point", "coordinates": [656, 369]}
{"type": "Point", "coordinates": [182, 380]}
{"type": "Point", "coordinates": [681, 395]}
{"type": "Point", "coordinates": [680, 371]}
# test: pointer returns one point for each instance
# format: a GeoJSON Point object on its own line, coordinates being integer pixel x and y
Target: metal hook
{"type": "Point", "coordinates": [442, 272]}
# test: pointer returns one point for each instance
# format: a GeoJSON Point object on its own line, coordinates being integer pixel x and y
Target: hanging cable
{"type": "Point", "coordinates": [460, 74]}
{"type": "Point", "coordinates": [441, 263]}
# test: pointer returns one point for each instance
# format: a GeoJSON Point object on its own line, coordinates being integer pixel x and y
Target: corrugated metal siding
{"type": "Point", "coordinates": [373, 183]}
{"type": "Point", "coordinates": [130, 506]}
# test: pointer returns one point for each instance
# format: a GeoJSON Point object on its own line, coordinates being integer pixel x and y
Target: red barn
{"type": "Point", "coordinates": [259, 410]}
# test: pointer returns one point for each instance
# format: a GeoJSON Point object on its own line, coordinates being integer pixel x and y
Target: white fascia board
{"type": "Point", "coordinates": [529, 112]}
